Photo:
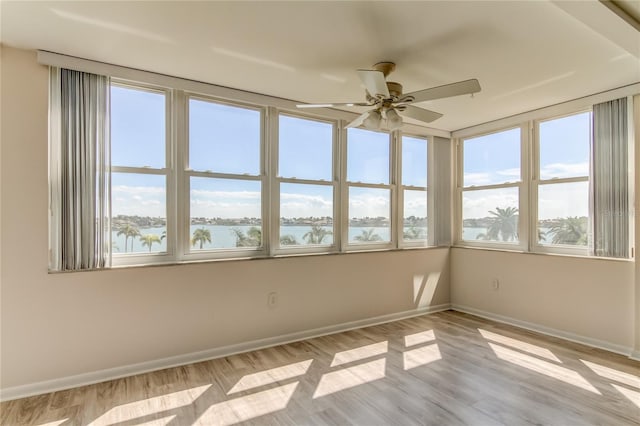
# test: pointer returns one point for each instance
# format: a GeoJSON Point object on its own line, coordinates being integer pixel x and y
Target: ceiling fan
{"type": "Point", "coordinates": [387, 99]}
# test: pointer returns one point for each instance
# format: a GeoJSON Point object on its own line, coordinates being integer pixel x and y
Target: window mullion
{"type": "Point", "coordinates": [271, 188]}
{"type": "Point", "coordinates": [180, 142]}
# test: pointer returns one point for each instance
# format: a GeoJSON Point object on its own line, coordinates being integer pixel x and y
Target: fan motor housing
{"type": "Point", "coordinates": [395, 89]}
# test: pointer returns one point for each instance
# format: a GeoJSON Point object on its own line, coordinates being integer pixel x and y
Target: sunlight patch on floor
{"type": "Point", "coordinates": [248, 407]}
{"type": "Point", "coordinates": [543, 367]}
{"type": "Point", "coordinates": [519, 344]}
{"type": "Point", "coordinates": [150, 406]}
{"type": "Point", "coordinates": [612, 374]}
{"type": "Point", "coordinates": [362, 352]}
{"type": "Point", "coordinates": [346, 378]}
{"type": "Point", "coordinates": [421, 356]}
{"type": "Point", "coordinates": [273, 375]}
{"type": "Point", "coordinates": [417, 338]}
{"type": "Point", "coordinates": [631, 395]}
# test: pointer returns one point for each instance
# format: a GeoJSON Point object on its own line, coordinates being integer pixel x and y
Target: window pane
{"type": "Point", "coordinates": [564, 146]}
{"type": "Point", "coordinates": [306, 148]}
{"type": "Point", "coordinates": [492, 159]}
{"type": "Point", "coordinates": [415, 215]}
{"type": "Point", "coordinates": [138, 129]}
{"type": "Point", "coordinates": [367, 156]}
{"type": "Point", "coordinates": [225, 213]}
{"type": "Point", "coordinates": [563, 211]}
{"type": "Point", "coordinates": [138, 205]}
{"type": "Point", "coordinates": [369, 210]}
{"type": "Point", "coordinates": [223, 138]}
{"type": "Point", "coordinates": [306, 214]}
{"type": "Point", "coordinates": [414, 161]}
{"type": "Point", "coordinates": [490, 215]}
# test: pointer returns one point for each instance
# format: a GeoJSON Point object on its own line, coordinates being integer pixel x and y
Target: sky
{"type": "Point", "coordinates": [226, 139]}
{"type": "Point", "coordinates": [495, 159]}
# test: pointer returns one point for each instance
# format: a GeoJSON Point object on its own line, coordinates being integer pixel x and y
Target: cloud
{"type": "Point", "coordinates": [368, 205]}
{"type": "Point", "coordinates": [138, 200]}
{"type": "Point", "coordinates": [477, 179]}
{"type": "Point", "coordinates": [561, 170]}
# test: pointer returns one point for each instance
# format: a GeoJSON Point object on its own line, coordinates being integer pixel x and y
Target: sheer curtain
{"type": "Point", "coordinates": [610, 179]}
{"type": "Point", "coordinates": [79, 170]}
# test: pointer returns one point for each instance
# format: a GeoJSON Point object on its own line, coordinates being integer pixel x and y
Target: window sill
{"type": "Point", "coordinates": [538, 253]}
{"type": "Point", "coordinates": [253, 258]}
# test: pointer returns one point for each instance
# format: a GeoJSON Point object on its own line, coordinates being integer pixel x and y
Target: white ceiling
{"type": "Point", "coordinates": [526, 54]}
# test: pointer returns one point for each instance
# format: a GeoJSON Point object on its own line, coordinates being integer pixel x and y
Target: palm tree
{"type": "Point", "coordinates": [288, 240]}
{"type": "Point", "coordinates": [253, 237]}
{"type": "Point", "coordinates": [201, 235]}
{"type": "Point", "coordinates": [504, 225]}
{"type": "Point", "coordinates": [316, 235]}
{"type": "Point", "coordinates": [414, 233]}
{"type": "Point", "coordinates": [570, 230]}
{"type": "Point", "coordinates": [149, 239]}
{"type": "Point", "coordinates": [367, 236]}
{"type": "Point", "coordinates": [128, 230]}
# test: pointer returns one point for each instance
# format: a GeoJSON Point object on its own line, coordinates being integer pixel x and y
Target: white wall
{"type": "Point", "coordinates": [58, 325]}
{"type": "Point", "coordinates": [586, 297]}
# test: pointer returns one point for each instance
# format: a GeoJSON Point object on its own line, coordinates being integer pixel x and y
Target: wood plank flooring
{"type": "Point", "coordinates": [447, 368]}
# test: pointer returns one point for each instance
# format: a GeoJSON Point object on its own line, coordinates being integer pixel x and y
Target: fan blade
{"type": "Point", "coordinates": [374, 82]}
{"type": "Point", "coordinates": [358, 121]}
{"type": "Point", "coordinates": [350, 104]}
{"type": "Point", "coordinates": [446, 91]}
{"type": "Point", "coordinates": [420, 114]}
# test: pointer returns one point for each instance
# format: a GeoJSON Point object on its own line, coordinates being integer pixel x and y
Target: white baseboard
{"type": "Point", "coordinates": [84, 379]}
{"type": "Point", "coordinates": [588, 341]}
{"type": "Point", "coordinates": [635, 355]}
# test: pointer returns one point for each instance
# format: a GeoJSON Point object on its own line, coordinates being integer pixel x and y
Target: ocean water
{"type": "Point", "coordinates": [223, 237]}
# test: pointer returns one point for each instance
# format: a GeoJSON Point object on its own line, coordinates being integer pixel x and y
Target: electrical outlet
{"type": "Point", "coordinates": [495, 284]}
{"type": "Point", "coordinates": [272, 299]}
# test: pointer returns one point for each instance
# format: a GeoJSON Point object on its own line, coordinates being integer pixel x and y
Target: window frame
{"type": "Point", "coordinates": [277, 181]}
{"type": "Point", "coordinates": [183, 235]}
{"type": "Point", "coordinates": [402, 242]}
{"type": "Point", "coordinates": [521, 185]}
{"type": "Point", "coordinates": [348, 246]}
{"type": "Point", "coordinates": [168, 171]}
{"type": "Point", "coordinates": [537, 181]}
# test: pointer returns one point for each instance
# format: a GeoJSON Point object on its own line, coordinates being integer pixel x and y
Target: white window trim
{"type": "Point", "coordinates": [138, 258]}
{"type": "Point", "coordinates": [402, 243]}
{"type": "Point", "coordinates": [535, 246]}
{"type": "Point", "coordinates": [349, 246]}
{"type": "Point", "coordinates": [523, 235]}
{"type": "Point", "coordinates": [277, 180]}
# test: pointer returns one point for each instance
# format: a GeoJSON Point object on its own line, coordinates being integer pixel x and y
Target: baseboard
{"type": "Point", "coordinates": [635, 355]}
{"type": "Point", "coordinates": [84, 379]}
{"type": "Point", "coordinates": [588, 341]}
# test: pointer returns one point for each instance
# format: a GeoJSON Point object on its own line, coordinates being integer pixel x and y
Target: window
{"type": "Point", "coordinates": [414, 190]}
{"type": "Point", "coordinates": [225, 177]}
{"type": "Point", "coordinates": [491, 180]}
{"type": "Point", "coordinates": [196, 177]}
{"type": "Point", "coordinates": [368, 187]}
{"type": "Point", "coordinates": [563, 180]}
{"type": "Point", "coordinates": [139, 129]}
{"type": "Point", "coordinates": [306, 183]}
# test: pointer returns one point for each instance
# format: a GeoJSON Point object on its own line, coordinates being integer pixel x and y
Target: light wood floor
{"type": "Point", "coordinates": [441, 369]}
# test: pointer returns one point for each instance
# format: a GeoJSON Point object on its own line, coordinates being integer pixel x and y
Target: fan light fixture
{"type": "Point", "coordinates": [372, 122]}
{"type": "Point", "coordinates": [394, 121]}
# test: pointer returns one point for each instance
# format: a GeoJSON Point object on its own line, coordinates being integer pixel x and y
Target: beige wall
{"type": "Point", "coordinates": [57, 325]}
{"type": "Point", "coordinates": [592, 298]}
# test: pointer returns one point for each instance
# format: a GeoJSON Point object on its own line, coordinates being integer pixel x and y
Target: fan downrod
{"type": "Point", "coordinates": [385, 68]}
